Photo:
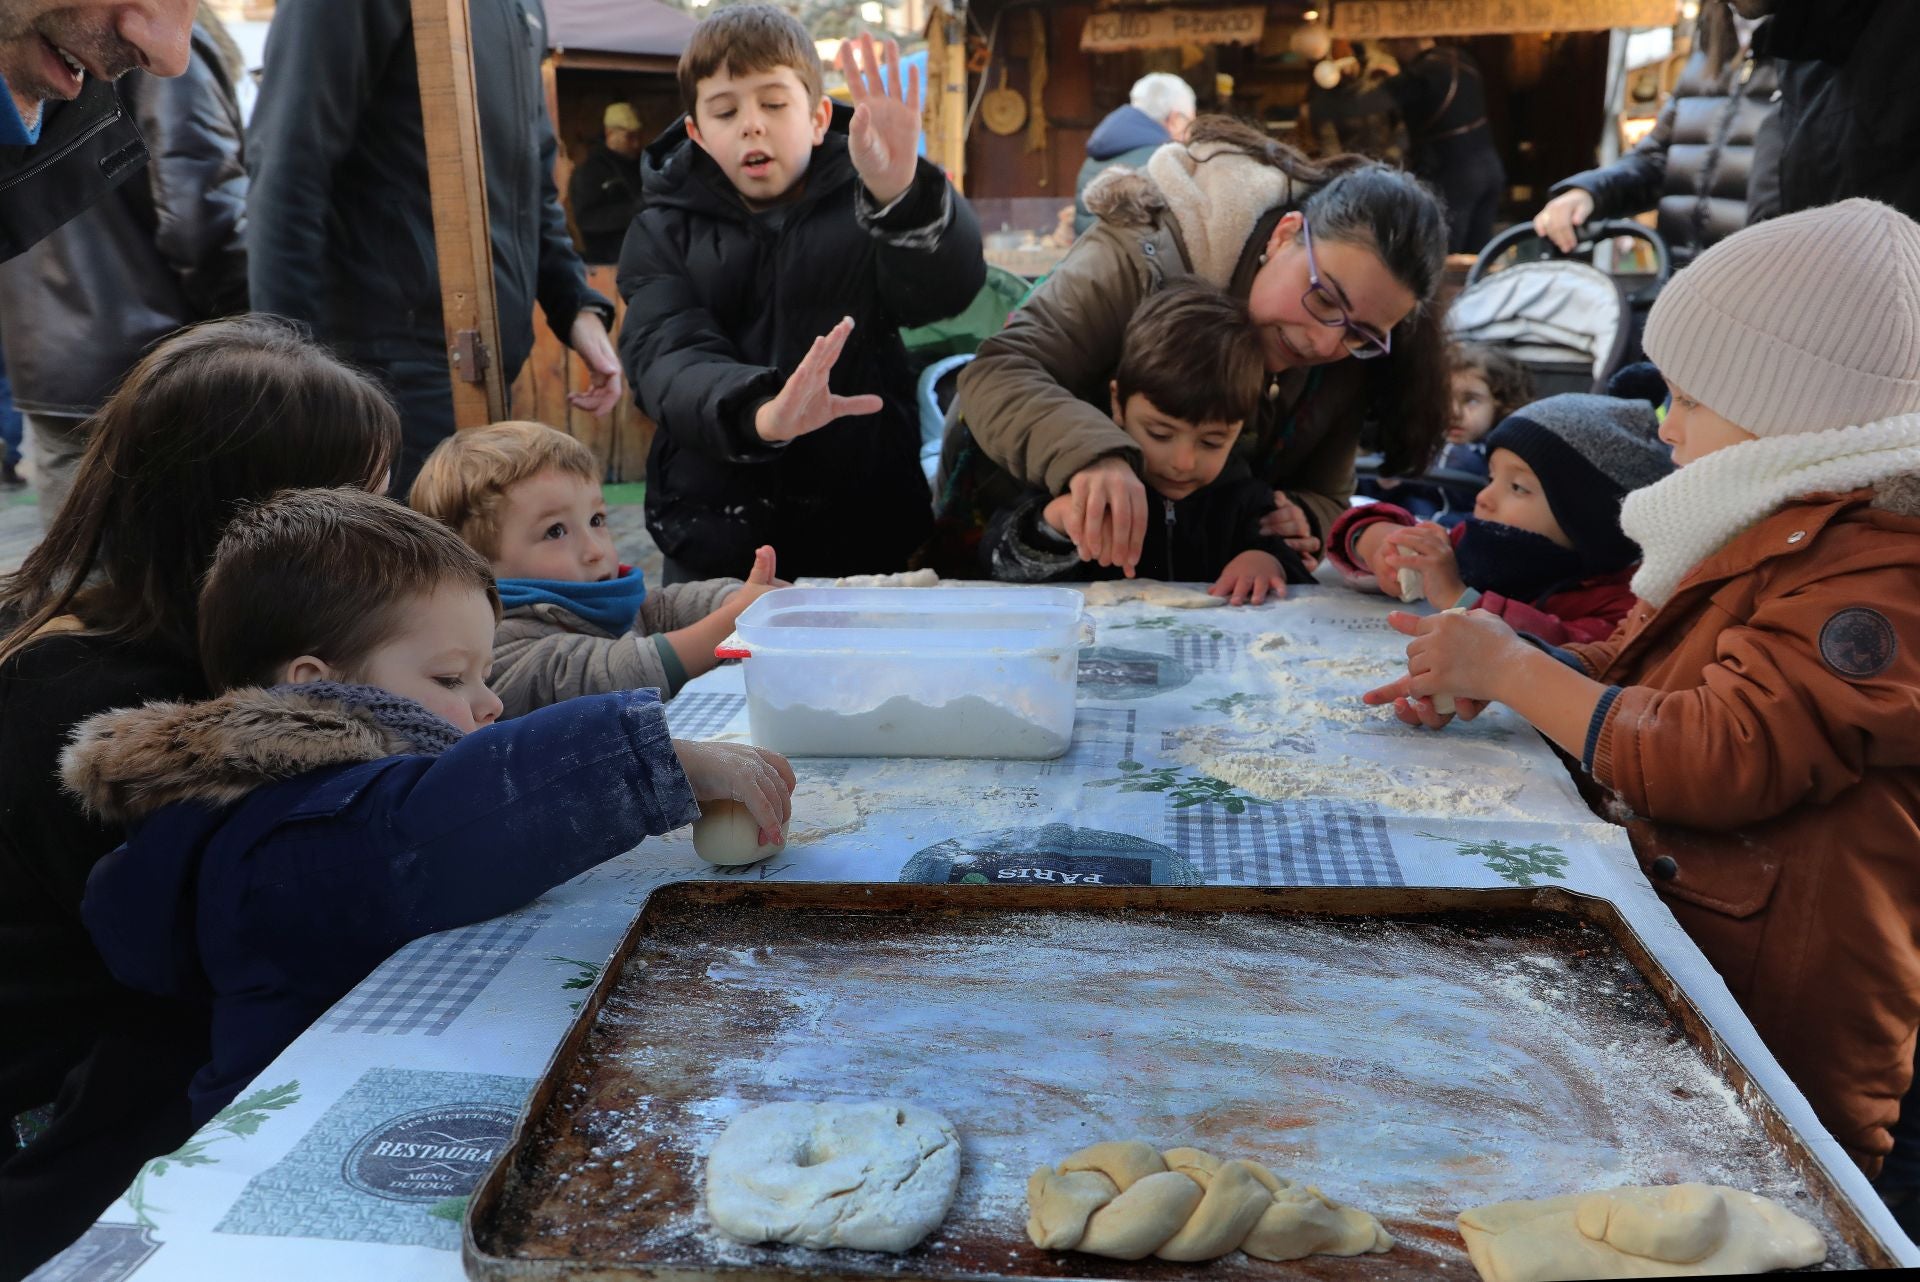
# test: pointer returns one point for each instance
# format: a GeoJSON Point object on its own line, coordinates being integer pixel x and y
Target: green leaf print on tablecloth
{"type": "Point", "coordinates": [236, 1121]}
{"type": "Point", "coordinates": [1517, 864]}
{"type": "Point", "coordinates": [1192, 791]}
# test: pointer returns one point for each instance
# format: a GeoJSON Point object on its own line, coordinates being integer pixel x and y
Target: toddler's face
{"type": "Point", "coordinates": [553, 525]}
{"type": "Point", "coordinates": [760, 129]}
{"type": "Point", "coordinates": [1177, 457]}
{"type": "Point", "coordinates": [1473, 407]}
{"type": "Point", "coordinates": [1695, 431]}
{"type": "Point", "coordinates": [439, 656]}
{"type": "Point", "coordinates": [1514, 497]}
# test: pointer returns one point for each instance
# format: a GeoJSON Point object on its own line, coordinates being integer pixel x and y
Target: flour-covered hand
{"type": "Point", "coordinates": [1251, 578]}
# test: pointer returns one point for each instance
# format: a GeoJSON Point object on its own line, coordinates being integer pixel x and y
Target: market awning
{"type": "Point", "coordinates": [1372, 19]}
{"type": "Point", "coordinates": [646, 28]}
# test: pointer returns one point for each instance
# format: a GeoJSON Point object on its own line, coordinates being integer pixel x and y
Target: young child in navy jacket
{"type": "Point", "coordinates": [349, 792]}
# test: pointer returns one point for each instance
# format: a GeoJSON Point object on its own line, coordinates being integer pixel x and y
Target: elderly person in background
{"type": "Point", "coordinates": [1159, 110]}
{"type": "Point", "coordinates": [604, 193]}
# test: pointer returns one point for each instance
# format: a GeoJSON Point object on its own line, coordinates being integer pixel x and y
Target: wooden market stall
{"type": "Point", "coordinates": [1043, 73]}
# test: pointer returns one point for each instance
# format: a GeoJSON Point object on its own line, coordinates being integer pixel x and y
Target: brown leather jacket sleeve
{"type": "Point", "coordinates": [1322, 483]}
{"type": "Point", "coordinates": [1771, 726]}
{"type": "Point", "coordinates": [1035, 396]}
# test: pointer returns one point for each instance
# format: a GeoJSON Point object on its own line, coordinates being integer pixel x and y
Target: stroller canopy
{"type": "Point", "coordinates": [1566, 321]}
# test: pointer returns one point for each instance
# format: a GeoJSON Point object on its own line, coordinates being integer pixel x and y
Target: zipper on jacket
{"type": "Point", "coordinates": [1170, 518]}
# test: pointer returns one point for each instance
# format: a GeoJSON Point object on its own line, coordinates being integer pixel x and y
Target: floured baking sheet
{"type": "Point", "coordinates": [1413, 1053]}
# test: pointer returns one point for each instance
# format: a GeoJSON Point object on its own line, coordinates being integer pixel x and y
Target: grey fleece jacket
{"type": "Point", "coordinates": [545, 653]}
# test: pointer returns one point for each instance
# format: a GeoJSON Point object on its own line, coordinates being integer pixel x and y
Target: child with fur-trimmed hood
{"type": "Point", "coordinates": [350, 792]}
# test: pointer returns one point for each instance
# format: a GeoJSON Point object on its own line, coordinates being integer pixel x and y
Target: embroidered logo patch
{"type": "Point", "coordinates": [1858, 643]}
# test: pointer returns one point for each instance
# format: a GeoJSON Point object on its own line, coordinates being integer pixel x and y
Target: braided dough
{"type": "Point", "coordinates": [1684, 1230]}
{"type": "Point", "coordinates": [1127, 1200]}
{"type": "Point", "coordinates": [873, 1176]}
{"type": "Point", "coordinates": [1150, 592]}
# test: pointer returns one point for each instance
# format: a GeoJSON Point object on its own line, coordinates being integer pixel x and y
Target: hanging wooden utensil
{"type": "Point", "coordinates": [1003, 109]}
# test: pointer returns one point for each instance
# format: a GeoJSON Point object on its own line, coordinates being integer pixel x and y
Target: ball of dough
{"type": "Point", "coordinates": [874, 1176]}
{"type": "Point", "coordinates": [725, 833]}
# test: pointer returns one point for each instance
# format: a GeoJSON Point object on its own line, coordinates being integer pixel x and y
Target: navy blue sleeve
{"type": "Point", "coordinates": [384, 854]}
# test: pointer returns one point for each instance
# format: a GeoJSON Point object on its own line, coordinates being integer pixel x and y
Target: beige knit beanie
{"type": "Point", "coordinates": [1801, 324]}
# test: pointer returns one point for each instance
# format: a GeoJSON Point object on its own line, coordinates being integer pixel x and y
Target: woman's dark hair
{"type": "Point", "coordinates": [1363, 202]}
{"type": "Point", "coordinates": [221, 414]}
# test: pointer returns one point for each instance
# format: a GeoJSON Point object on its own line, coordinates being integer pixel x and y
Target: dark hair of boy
{"type": "Point", "coordinates": [748, 40]}
{"type": "Point", "coordinates": [216, 415]}
{"type": "Point", "coordinates": [1508, 381]}
{"type": "Point", "coordinates": [1194, 353]}
{"type": "Point", "coordinates": [326, 573]}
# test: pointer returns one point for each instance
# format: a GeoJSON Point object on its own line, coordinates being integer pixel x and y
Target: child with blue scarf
{"type": "Point", "coordinates": [527, 498]}
{"type": "Point", "coordinates": [1543, 548]}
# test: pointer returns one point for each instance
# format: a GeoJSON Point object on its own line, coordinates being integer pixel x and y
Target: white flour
{"type": "Point", "coordinates": [969, 726]}
{"type": "Point", "coordinates": [1277, 774]}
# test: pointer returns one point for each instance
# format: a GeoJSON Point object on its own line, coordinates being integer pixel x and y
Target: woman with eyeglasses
{"type": "Point", "coordinates": [1338, 261]}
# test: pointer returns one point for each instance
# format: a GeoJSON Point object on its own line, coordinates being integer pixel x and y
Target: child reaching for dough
{"type": "Point", "coordinates": [527, 498]}
{"type": "Point", "coordinates": [1485, 385]}
{"type": "Point", "coordinates": [1543, 548]}
{"type": "Point", "coordinates": [1755, 722]}
{"type": "Point", "coordinates": [1190, 375]}
{"type": "Point", "coordinates": [349, 791]}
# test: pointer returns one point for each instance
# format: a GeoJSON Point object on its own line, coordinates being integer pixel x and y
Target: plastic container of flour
{"type": "Point", "coordinates": [927, 672]}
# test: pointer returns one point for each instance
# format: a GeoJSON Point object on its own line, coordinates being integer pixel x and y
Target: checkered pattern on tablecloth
{"type": "Point", "coordinates": [1289, 843]}
{"type": "Point", "coordinates": [703, 714]}
{"type": "Point", "coordinates": [425, 986]}
{"type": "Point", "coordinates": [1102, 738]}
{"type": "Point", "coordinates": [1209, 651]}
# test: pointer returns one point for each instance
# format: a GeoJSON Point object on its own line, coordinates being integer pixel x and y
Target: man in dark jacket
{"type": "Point", "coordinates": [164, 250]}
{"type": "Point", "coordinates": [737, 313]}
{"type": "Point", "coordinates": [605, 191]}
{"type": "Point", "coordinates": [1849, 106]}
{"type": "Point", "coordinates": [1159, 110]}
{"type": "Point", "coordinates": [65, 137]}
{"type": "Point", "coordinates": [340, 222]}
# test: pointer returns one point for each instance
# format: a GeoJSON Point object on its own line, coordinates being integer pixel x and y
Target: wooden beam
{"type": "Point", "coordinates": [457, 182]}
{"type": "Point", "coordinates": [945, 111]}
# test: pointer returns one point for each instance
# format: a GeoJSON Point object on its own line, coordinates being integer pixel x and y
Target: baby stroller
{"type": "Point", "coordinates": [1571, 323]}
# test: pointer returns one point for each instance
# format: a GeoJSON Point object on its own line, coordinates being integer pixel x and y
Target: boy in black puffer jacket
{"type": "Point", "coordinates": [784, 243]}
{"type": "Point", "coordinates": [1190, 375]}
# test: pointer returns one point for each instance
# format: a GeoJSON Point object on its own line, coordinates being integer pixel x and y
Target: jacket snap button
{"type": "Point", "coordinates": [1665, 868]}
{"type": "Point", "coordinates": [1796, 536]}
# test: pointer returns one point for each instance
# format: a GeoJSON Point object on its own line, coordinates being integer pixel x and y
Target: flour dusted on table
{"type": "Point", "coordinates": [1277, 774]}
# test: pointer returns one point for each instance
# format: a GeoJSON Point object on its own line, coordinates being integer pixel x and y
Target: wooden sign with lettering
{"type": "Point", "coordinates": [1371, 19]}
{"type": "Point", "coordinates": [1117, 30]}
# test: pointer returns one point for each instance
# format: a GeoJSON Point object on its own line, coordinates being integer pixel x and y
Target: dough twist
{"type": "Point", "coordinates": [1127, 1200]}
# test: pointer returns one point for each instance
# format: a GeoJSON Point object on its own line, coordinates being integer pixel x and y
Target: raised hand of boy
{"type": "Point", "coordinates": [760, 581]}
{"type": "Point", "coordinates": [1428, 548]}
{"type": "Point", "coordinates": [761, 781]}
{"type": "Point", "coordinates": [1249, 578]}
{"type": "Point", "coordinates": [884, 138]}
{"type": "Point", "coordinates": [806, 404]}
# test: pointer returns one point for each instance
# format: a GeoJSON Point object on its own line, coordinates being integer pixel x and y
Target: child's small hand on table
{"type": "Point", "coordinates": [761, 781]}
{"type": "Point", "coordinates": [1428, 548]}
{"type": "Point", "coordinates": [1465, 655]}
{"type": "Point", "coordinates": [1250, 577]}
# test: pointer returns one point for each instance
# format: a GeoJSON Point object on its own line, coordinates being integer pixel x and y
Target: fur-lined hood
{"type": "Point", "coordinates": [1899, 495]}
{"type": "Point", "coordinates": [124, 765]}
{"type": "Point", "coordinates": [1214, 195]}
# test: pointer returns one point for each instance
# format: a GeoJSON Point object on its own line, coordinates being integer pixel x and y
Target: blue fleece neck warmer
{"type": "Point", "coordinates": [1514, 562]}
{"type": "Point", "coordinates": [15, 132]}
{"type": "Point", "coordinates": [610, 605]}
{"type": "Point", "coordinates": [429, 733]}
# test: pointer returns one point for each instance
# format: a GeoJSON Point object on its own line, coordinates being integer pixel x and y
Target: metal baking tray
{"type": "Point", "coordinates": [1412, 1052]}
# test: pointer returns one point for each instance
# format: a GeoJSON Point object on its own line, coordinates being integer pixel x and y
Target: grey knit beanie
{"type": "Point", "coordinates": [1589, 453]}
{"type": "Point", "coordinates": [1802, 324]}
